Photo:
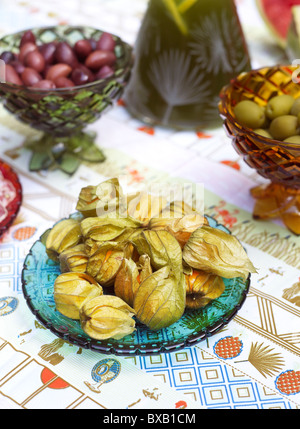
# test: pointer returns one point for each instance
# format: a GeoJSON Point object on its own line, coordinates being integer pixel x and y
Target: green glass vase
{"type": "Point", "coordinates": [185, 52]}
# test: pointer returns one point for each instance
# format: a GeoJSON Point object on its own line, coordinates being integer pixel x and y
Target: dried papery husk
{"type": "Point", "coordinates": [128, 235]}
{"type": "Point", "coordinates": [126, 281]}
{"type": "Point", "coordinates": [143, 206]}
{"type": "Point", "coordinates": [105, 263]}
{"type": "Point", "coordinates": [202, 288]}
{"type": "Point", "coordinates": [71, 290]}
{"type": "Point", "coordinates": [106, 317]}
{"type": "Point", "coordinates": [64, 235]}
{"type": "Point", "coordinates": [91, 245]}
{"type": "Point", "coordinates": [87, 201]}
{"type": "Point", "coordinates": [108, 228]}
{"type": "Point", "coordinates": [177, 209]}
{"type": "Point", "coordinates": [160, 299]}
{"type": "Point", "coordinates": [74, 259]}
{"type": "Point", "coordinates": [187, 270]}
{"type": "Point", "coordinates": [213, 250]}
{"type": "Point", "coordinates": [129, 277]}
{"type": "Point", "coordinates": [180, 228]}
{"type": "Point", "coordinates": [107, 197]}
{"type": "Point", "coordinates": [144, 267]}
{"type": "Point", "coordinates": [162, 248]}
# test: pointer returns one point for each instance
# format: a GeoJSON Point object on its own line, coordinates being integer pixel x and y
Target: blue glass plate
{"type": "Point", "coordinates": [38, 276]}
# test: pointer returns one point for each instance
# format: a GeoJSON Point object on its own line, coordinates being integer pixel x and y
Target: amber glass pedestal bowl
{"type": "Point", "coordinates": [62, 114]}
{"type": "Point", "coordinates": [274, 160]}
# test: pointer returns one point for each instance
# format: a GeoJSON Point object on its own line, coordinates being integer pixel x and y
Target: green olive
{"type": "Point", "coordinates": [293, 139]}
{"type": "Point", "coordinates": [284, 126]}
{"type": "Point", "coordinates": [279, 105]}
{"type": "Point", "coordinates": [295, 110]}
{"type": "Point", "coordinates": [263, 133]}
{"type": "Point", "coordinates": [249, 114]}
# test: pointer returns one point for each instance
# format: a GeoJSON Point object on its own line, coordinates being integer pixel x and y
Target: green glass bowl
{"type": "Point", "coordinates": [63, 113]}
{"type": "Point", "coordinates": [39, 274]}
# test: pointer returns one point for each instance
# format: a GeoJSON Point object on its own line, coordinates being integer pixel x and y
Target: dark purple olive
{"type": "Point", "coordinates": [28, 36]}
{"type": "Point", "coordinates": [11, 76]}
{"type": "Point", "coordinates": [104, 72]}
{"type": "Point", "coordinates": [44, 84]}
{"type": "Point", "coordinates": [93, 43]}
{"type": "Point", "coordinates": [106, 43]}
{"type": "Point", "coordinates": [98, 59]}
{"type": "Point", "coordinates": [35, 60]}
{"type": "Point", "coordinates": [79, 77]}
{"type": "Point", "coordinates": [30, 76]}
{"type": "Point", "coordinates": [65, 54]}
{"type": "Point", "coordinates": [64, 82]}
{"type": "Point", "coordinates": [82, 49]}
{"type": "Point", "coordinates": [87, 71]}
{"type": "Point", "coordinates": [18, 66]}
{"type": "Point", "coordinates": [48, 52]}
{"type": "Point", "coordinates": [46, 69]}
{"type": "Point", "coordinates": [26, 48]}
{"type": "Point", "coordinates": [58, 70]}
{"type": "Point", "coordinates": [7, 57]}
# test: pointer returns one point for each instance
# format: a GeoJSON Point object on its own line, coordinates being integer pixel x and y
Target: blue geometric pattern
{"type": "Point", "coordinates": [195, 372]}
{"type": "Point", "coordinates": [11, 263]}
{"type": "Point", "coordinates": [206, 381]}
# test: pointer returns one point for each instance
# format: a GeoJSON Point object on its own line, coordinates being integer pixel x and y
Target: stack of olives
{"type": "Point", "coordinates": [58, 64]}
{"type": "Point", "coordinates": [278, 120]}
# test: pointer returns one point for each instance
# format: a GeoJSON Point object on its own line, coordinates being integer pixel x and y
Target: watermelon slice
{"type": "Point", "coordinates": [277, 15]}
{"type": "Point", "coordinates": [293, 38]}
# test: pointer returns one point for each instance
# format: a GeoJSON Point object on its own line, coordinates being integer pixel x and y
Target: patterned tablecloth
{"type": "Point", "coordinates": [254, 361]}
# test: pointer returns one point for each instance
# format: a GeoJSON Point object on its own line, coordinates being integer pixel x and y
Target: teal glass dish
{"type": "Point", "coordinates": [39, 274]}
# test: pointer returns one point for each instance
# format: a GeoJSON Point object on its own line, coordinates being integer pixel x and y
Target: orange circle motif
{"type": "Point", "coordinates": [228, 347]}
{"type": "Point", "coordinates": [24, 233]}
{"type": "Point", "coordinates": [58, 383]}
{"type": "Point", "coordinates": [288, 382]}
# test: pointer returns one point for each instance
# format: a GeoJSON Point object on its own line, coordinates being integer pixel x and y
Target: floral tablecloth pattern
{"type": "Point", "coordinates": [254, 361]}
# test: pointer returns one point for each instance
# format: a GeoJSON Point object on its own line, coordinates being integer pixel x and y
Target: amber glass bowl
{"type": "Point", "coordinates": [63, 113]}
{"type": "Point", "coordinates": [274, 160]}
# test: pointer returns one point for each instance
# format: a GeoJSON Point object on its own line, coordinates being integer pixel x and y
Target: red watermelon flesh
{"type": "Point", "coordinates": [278, 16]}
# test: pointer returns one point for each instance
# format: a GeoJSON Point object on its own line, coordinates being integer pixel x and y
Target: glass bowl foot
{"type": "Point", "coordinates": [64, 153]}
{"type": "Point", "coordinates": [277, 201]}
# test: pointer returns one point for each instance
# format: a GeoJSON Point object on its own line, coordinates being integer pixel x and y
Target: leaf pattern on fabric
{"type": "Point", "coordinates": [266, 362]}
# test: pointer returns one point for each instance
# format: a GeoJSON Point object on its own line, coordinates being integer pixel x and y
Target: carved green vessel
{"type": "Point", "coordinates": [186, 51]}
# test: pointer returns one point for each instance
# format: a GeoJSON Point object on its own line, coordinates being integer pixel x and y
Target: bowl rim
{"type": "Point", "coordinates": [226, 115]}
{"type": "Point", "coordinates": [68, 90]}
